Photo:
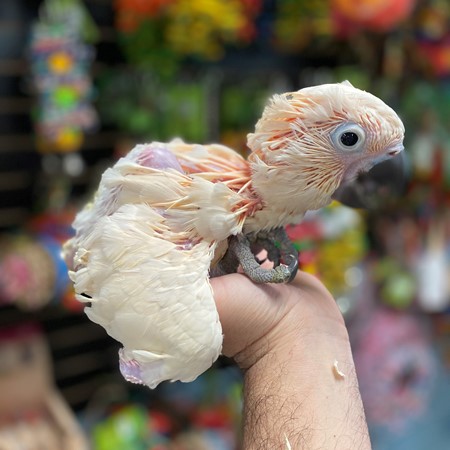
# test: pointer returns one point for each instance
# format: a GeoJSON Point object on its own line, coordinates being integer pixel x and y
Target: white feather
{"type": "Point", "coordinates": [151, 295]}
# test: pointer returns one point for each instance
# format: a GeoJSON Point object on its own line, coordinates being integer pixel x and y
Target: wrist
{"type": "Point", "coordinates": [305, 390]}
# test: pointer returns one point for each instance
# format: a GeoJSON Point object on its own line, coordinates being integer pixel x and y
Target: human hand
{"type": "Point", "coordinates": [300, 385]}
{"type": "Point", "coordinates": [258, 318]}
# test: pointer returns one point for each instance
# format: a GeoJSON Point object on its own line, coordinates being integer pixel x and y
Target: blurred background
{"type": "Point", "coordinates": [81, 82]}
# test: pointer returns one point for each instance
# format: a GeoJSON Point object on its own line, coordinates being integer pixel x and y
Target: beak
{"type": "Point", "coordinates": [376, 187]}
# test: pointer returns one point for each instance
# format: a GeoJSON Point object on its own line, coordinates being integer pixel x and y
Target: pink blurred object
{"type": "Point", "coordinates": [396, 368]}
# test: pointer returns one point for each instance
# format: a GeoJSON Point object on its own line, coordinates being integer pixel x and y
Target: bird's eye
{"type": "Point", "coordinates": [349, 137]}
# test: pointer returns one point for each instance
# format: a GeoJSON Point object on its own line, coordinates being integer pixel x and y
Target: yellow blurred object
{"type": "Point", "coordinates": [206, 23]}
{"type": "Point", "coordinates": [310, 268]}
{"type": "Point", "coordinates": [337, 255]}
{"type": "Point", "coordinates": [69, 139]}
{"type": "Point", "coordinates": [60, 63]}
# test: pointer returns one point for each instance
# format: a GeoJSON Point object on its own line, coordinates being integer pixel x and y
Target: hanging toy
{"type": "Point", "coordinates": [27, 273]}
{"type": "Point", "coordinates": [60, 62]}
{"type": "Point", "coordinates": [32, 272]}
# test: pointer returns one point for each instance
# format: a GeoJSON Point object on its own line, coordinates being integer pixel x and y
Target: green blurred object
{"type": "Point", "coordinates": [146, 107]}
{"type": "Point", "coordinates": [184, 112]}
{"type": "Point", "coordinates": [65, 96]}
{"type": "Point", "coordinates": [130, 100]}
{"type": "Point", "coordinates": [300, 22]}
{"type": "Point", "coordinates": [143, 48]}
{"type": "Point", "coordinates": [241, 105]}
{"type": "Point", "coordinates": [126, 429]}
{"type": "Point", "coordinates": [354, 74]}
{"type": "Point", "coordinates": [397, 285]}
{"type": "Point", "coordinates": [399, 290]}
{"type": "Point", "coordinates": [72, 13]}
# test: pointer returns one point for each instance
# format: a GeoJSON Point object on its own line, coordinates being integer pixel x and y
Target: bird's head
{"type": "Point", "coordinates": [307, 143]}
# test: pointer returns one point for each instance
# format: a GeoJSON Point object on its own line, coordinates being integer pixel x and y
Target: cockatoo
{"type": "Point", "coordinates": [168, 216]}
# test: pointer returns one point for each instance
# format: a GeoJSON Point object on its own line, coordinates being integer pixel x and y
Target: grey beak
{"type": "Point", "coordinates": [381, 184]}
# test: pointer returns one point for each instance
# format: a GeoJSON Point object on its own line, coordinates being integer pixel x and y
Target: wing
{"type": "Point", "coordinates": [140, 260]}
{"type": "Point", "coordinates": [150, 293]}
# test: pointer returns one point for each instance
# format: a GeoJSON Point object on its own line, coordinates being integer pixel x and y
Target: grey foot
{"type": "Point", "coordinates": [243, 248]}
{"type": "Point", "coordinates": [283, 272]}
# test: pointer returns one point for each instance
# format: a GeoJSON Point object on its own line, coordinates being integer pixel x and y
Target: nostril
{"type": "Point", "coordinates": [395, 150]}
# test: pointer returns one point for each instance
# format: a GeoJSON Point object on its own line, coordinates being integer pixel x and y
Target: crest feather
{"type": "Point", "coordinates": [347, 83]}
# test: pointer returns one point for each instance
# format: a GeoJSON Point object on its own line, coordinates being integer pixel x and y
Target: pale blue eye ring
{"type": "Point", "coordinates": [349, 137]}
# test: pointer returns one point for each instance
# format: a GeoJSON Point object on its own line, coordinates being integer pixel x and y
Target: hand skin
{"type": "Point", "coordinates": [286, 339]}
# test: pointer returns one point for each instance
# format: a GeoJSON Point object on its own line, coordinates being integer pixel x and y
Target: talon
{"type": "Point", "coordinates": [292, 267]}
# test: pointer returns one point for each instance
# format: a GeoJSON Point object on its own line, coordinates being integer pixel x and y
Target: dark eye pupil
{"type": "Point", "coordinates": [349, 139]}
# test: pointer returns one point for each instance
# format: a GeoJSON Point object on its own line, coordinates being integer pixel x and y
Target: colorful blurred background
{"type": "Point", "coordinates": [81, 82]}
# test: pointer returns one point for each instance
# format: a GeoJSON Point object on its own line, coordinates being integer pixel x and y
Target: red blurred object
{"type": "Point", "coordinates": [305, 230]}
{"type": "Point", "coordinates": [130, 13]}
{"type": "Point", "coordinates": [23, 331]}
{"type": "Point", "coordinates": [437, 56]}
{"type": "Point", "coordinates": [212, 418]}
{"type": "Point", "coordinates": [161, 422]}
{"type": "Point", "coordinates": [58, 225]}
{"type": "Point", "coordinates": [375, 15]}
{"type": "Point", "coordinates": [252, 8]}
{"type": "Point", "coordinates": [147, 8]}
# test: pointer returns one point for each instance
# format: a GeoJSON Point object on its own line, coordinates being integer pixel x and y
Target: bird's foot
{"type": "Point", "coordinates": [243, 250]}
{"type": "Point", "coordinates": [285, 257]}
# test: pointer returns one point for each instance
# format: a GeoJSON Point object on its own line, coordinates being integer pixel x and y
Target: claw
{"type": "Point", "coordinates": [293, 267]}
{"type": "Point", "coordinates": [288, 271]}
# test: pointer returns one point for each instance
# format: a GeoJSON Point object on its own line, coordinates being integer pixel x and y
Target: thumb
{"type": "Point", "coordinates": [247, 311]}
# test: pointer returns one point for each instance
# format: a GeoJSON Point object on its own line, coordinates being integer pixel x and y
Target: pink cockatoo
{"type": "Point", "coordinates": [168, 216]}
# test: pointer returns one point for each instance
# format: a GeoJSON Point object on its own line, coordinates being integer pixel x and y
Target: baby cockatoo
{"type": "Point", "coordinates": [169, 215]}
